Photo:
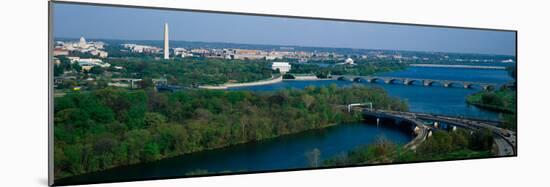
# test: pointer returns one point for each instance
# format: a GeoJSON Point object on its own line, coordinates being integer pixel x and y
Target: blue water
{"type": "Point", "coordinates": [288, 152]}
{"type": "Point", "coordinates": [472, 75]}
{"type": "Point", "coordinates": [434, 99]}
{"type": "Point", "coordinates": [285, 152]}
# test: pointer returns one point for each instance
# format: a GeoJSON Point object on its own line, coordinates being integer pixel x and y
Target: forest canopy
{"type": "Point", "coordinates": [112, 127]}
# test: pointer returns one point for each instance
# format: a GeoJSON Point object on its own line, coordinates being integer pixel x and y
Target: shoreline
{"type": "Point", "coordinates": [214, 148]}
{"type": "Point", "coordinates": [473, 100]}
{"type": "Point", "coordinates": [490, 107]}
{"type": "Point", "coordinates": [413, 138]}
{"type": "Point", "coordinates": [257, 83]}
{"type": "Point", "coordinates": [273, 80]}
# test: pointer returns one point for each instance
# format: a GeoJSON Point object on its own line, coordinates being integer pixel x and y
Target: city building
{"type": "Point", "coordinates": [89, 63]}
{"type": "Point", "coordinates": [101, 54]}
{"type": "Point", "coordinates": [180, 52]}
{"type": "Point", "coordinates": [283, 67]}
{"type": "Point", "coordinates": [200, 51]}
{"type": "Point", "coordinates": [348, 61]}
{"type": "Point", "coordinates": [82, 42]}
{"type": "Point", "coordinates": [141, 48]}
{"type": "Point", "coordinates": [93, 47]}
{"type": "Point", "coordinates": [248, 54]}
{"type": "Point", "coordinates": [60, 52]}
{"type": "Point", "coordinates": [125, 82]}
{"type": "Point", "coordinates": [160, 81]}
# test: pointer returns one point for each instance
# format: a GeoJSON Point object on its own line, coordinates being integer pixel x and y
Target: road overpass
{"type": "Point", "coordinates": [411, 81]}
{"type": "Point", "coordinates": [505, 140]}
{"type": "Point", "coordinates": [421, 131]}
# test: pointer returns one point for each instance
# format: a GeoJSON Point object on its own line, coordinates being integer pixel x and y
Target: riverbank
{"type": "Point", "coordinates": [273, 80]}
{"type": "Point", "coordinates": [442, 145]}
{"type": "Point", "coordinates": [261, 83]}
{"type": "Point", "coordinates": [65, 179]}
{"type": "Point", "coordinates": [307, 78]}
{"type": "Point", "coordinates": [500, 100]}
{"type": "Point", "coordinates": [176, 126]}
{"type": "Point", "coordinates": [284, 152]}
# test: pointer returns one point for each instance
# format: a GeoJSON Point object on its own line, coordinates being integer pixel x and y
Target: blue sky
{"type": "Point", "coordinates": [73, 21]}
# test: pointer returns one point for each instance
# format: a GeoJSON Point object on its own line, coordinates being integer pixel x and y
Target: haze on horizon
{"type": "Point", "coordinates": [103, 22]}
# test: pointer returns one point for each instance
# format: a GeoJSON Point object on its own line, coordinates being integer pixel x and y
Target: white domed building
{"type": "Point", "coordinates": [82, 42]}
{"type": "Point", "coordinates": [348, 61]}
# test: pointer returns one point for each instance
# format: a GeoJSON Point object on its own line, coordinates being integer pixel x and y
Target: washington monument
{"type": "Point", "coordinates": [166, 47]}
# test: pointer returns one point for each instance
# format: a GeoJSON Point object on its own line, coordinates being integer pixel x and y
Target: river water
{"type": "Point", "coordinates": [285, 152]}
{"type": "Point", "coordinates": [289, 151]}
{"type": "Point", "coordinates": [434, 99]}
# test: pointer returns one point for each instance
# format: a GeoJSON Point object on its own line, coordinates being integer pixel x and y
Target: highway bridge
{"type": "Point", "coordinates": [421, 131]}
{"type": "Point", "coordinates": [505, 140]}
{"type": "Point", "coordinates": [411, 81]}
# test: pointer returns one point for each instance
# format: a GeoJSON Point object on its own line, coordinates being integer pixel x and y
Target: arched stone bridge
{"type": "Point", "coordinates": [410, 81]}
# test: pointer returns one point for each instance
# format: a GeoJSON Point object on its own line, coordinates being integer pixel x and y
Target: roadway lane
{"type": "Point", "coordinates": [505, 140]}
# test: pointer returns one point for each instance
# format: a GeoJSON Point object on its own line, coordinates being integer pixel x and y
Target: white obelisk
{"type": "Point", "coordinates": [166, 47]}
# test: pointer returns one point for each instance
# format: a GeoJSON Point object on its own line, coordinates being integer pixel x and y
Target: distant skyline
{"type": "Point", "coordinates": [73, 21]}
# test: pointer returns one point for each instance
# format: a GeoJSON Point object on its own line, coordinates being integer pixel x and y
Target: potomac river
{"type": "Point", "coordinates": [434, 99]}
{"type": "Point", "coordinates": [288, 152]}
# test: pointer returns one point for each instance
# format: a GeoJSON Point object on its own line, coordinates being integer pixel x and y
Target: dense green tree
{"type": "Point", "coordinates": [136, 141]}
{"type": "Point", "coordinates": [111, 127]}
{"type": "Point", "coordinates": [96, 70]}
{"type": "Point", "coordinates": [76, 67]}
{"type": "Point", "coordinates": [510, 121]}
{"type": "Point", "coordinates": [481, 140]}
{"type": "Point", "coordinates": [146, 83]}
{"type": "Point", "coordinates": [153, 119]}
{"type": "Point", "coordinates": [441, 145]}
{"type": "Point", "coordinates": [73, 154]}
{"type": "Point", "coordinates": [490, 98]}
{"type": "Point", "coordinates": [288, 76]}
{"type": "Point", "coordinates": [151, 152]}
{"type": "Point", "coordinates": [194, 71]}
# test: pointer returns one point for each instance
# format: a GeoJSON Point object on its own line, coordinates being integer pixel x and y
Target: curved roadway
{"type": "Point", "coordinates": [505, 140]}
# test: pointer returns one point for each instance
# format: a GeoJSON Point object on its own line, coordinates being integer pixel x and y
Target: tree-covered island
{"type": "Point", "coordinates": [112, 127]}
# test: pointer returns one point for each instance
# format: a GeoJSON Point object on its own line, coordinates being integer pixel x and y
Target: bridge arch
{"type": "Point", "coordinates": [432, 83]}
{"type": "Point", "coordinates": [341, 78]}
{"type": "Point", "coordinates": [412, 81]}
{"type": "Point", "coordinates": [359, 79]}
{"type": "Point", "coordinates": [393, 80]}
{"type": "Point", "coordinates": [375, 79]}
{"type": "Point", "coordinates": [468, 85]}
{"type": "Point", "coordinates": [488, 87]}
{"type": "Point", "coordinates": [454, 84]}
